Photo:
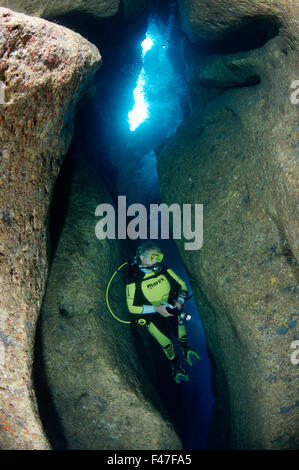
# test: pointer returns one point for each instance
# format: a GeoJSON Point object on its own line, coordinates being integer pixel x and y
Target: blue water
{"type": "Point", "coordinates": [160, 89]}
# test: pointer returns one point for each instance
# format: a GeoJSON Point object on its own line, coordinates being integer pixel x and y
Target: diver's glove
{"type": "Point", "coordinates": [179, 305]}
{"type": "Point", "coordinates": [182, 316]}
{"type": "Point", "coordinates": [165, 309]}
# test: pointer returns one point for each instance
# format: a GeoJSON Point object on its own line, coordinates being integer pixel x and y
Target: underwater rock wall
{"type": "Point", "coordinates": [237, 155]}
{"type": "Point", "coordinates": [98, 8]}
{"type": "Point", "coordinates": [45, 70]}
{"type": "Point", "coordinates": [49, 9]}
{"type": "Point", "coordinates": [131, 9]}
{"type": "Point", "coordinates": [204, 20]}
{"type": "Point", "coordinates": [102, 396]}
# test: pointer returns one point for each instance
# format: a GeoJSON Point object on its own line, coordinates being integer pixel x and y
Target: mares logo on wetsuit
{"type": "Point", "coordinates": [153, 284]}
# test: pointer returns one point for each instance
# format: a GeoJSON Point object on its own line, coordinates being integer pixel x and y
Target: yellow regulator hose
{"type": "Point", "coordinates": [107, 295]}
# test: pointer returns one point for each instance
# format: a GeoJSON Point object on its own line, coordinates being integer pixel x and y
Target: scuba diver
{"type": "Point", "coordinates": [155, 299]}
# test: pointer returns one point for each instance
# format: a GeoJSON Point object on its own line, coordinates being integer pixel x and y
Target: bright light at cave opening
{"type": "Point", "coordinates": [146, 45]}
{"type": "Point", "coordinates": [140, 112]}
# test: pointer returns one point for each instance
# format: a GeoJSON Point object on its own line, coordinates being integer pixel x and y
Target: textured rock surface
{"type": "Point", "coordinates": [99, 8]}
{"type": "Point", "coordinates": [50, 9]}
{"type": "Point", "coordinates": [100, 391]}
{"type": "Point", "coordinates": [132, 8]}
{"type": "Point", "coordinates": [238, 157]}
{"type": "Point", "coordinates": [45, 69]}
{"type": "Point", "coordinates": [203, 19]}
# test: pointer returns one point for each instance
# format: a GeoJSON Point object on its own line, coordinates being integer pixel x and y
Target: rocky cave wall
{"type": "Point", "coordinates": [238, 156]}
{"type": "Point", "coordinates": [45, 69]}
{"type": "Point", "coordinates": [127, 9]}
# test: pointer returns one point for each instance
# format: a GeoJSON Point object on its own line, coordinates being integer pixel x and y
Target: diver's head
{"type": "Point", "coordinates": [149, 254]}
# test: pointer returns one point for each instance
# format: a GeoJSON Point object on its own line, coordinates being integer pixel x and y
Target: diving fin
{"type": "Point", "coordinates": [189, 354]}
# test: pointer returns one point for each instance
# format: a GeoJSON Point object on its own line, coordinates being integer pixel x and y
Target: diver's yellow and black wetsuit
{"type": "Point", "coordinates": [146, 289]}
